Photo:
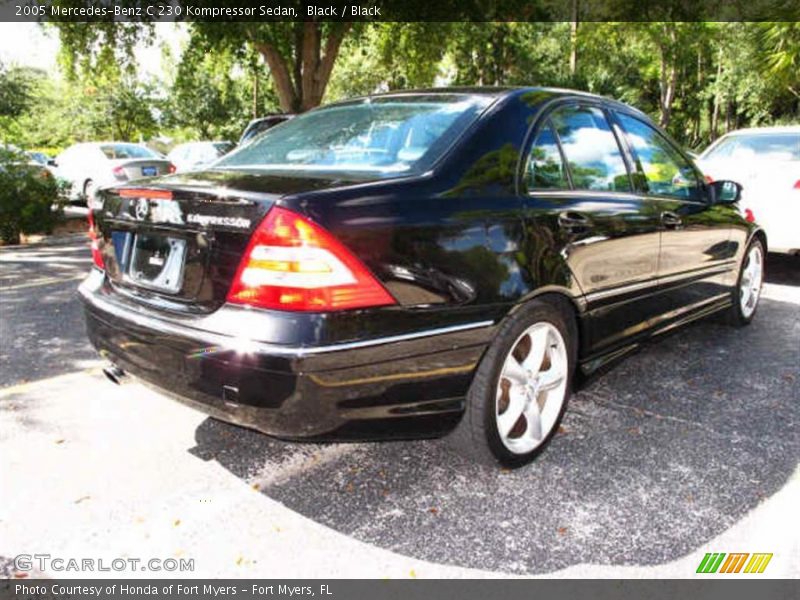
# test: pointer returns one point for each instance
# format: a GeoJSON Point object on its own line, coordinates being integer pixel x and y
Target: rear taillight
{"type": "Point", "coordinates": [97, 257]}
{"type": "Point", "coordinates": [294, 264]}
{"type": "Point", "coordinates": [171, 168]}
{"type": "Point", "coordinates": [749, 216]}
{"type": "Point", "coordinates": [797, 184]}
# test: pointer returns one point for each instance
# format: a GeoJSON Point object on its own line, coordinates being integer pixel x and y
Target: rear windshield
{"type": "Point", "coordinates": [773, 146]}
{"type": "Point", "coordinates": [380, 137]}
{"type": "Point", "coordinates": [115, 151]}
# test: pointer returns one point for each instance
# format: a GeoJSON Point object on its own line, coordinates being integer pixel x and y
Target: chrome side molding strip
{"type": "Point", "coordinates": [221, 342]}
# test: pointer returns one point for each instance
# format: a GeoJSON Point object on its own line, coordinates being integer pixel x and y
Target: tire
{"type": "Point", "coordinates": [750, 278]}
{"type": "Point", "coordinates": [485, 433]}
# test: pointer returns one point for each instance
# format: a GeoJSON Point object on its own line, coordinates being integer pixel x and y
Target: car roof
{"type": "Point", "coordinates": [543, 94]}
{"type": "Point", "coordinates": [199, 142]}
{"type": "Point", "coordinates": [98, 144]}
{"type": "Point", "coordinates": [765, 130]}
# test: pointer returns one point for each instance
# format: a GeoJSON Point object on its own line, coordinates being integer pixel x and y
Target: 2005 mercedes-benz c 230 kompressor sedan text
{"type": "Point", "coordinates": [410, 264]}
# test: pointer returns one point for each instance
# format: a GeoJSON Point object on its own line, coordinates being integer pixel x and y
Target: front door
{"type": "Point", "coordinates": [696, 263]}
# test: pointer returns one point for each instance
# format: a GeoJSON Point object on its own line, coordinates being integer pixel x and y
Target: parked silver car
{"type": "Point", "coordinates": [193, 156]}
{"type": "Point", "coordinates": [92, 165]}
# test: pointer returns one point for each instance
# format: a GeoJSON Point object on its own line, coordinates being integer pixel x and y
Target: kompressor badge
{"type": "Point", "coordinates": [206, 220]}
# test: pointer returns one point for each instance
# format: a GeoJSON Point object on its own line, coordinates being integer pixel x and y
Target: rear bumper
{"type": "Point", "coordinates": [404, 386]}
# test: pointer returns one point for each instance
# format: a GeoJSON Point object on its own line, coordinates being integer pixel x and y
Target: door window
{"type": "Point", "coordinates": [666, 171]}
{"type": "Point", "coordinates": [591, 149]}
{"type": "Point", "coordinates": [545, 168]}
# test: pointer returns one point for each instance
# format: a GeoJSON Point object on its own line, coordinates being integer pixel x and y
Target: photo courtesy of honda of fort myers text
{"type": "Point", "coordinates": [402, 299]}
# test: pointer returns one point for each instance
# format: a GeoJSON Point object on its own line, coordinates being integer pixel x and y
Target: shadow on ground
{"type": "Point", "coordinates": [658, 456]}
{"type": "Point", "coordinates": [42, 330]}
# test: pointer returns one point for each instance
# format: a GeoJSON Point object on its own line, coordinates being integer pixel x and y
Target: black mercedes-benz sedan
{"type": "Point", "coordinates": [415, 264]}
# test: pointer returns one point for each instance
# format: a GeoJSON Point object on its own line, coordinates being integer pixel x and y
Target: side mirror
{"type": "Point", "coordinates": [725, 192]}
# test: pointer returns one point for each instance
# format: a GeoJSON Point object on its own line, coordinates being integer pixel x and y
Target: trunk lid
{"type": "Point", "coordinates": [137, 168]}
{"type": "Point", "coordinates": [175, 243]}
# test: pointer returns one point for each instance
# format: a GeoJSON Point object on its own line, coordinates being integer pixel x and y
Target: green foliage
{"type": "Point", "coordinates": [212, 95]}
{"type": "Point", "coordinates": [388, 56]}
{"type": "Point", "coordinates": [30, 198]}
{"type": "Point", "coordinates": [16, 90]}
{"type": "Point", "coordinates": [698, 79]}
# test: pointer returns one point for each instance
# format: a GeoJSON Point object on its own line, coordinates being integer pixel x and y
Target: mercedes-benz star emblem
{"type": "Point", "coordinates": [142, 208]}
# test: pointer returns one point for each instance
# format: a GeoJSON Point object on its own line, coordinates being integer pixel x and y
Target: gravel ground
{"type": "Point", "coordinates": [689, 446]}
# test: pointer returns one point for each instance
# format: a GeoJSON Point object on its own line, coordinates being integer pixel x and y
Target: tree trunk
{"type": "Point", "coordinates": [304, 86]}
{"type": "Point", "coordinates": [255, 93]}
{"type": "Point", "coordinates": [717, 102]}
{"type": "Point", "coordinates": [287, 95]}
{"type": "Point", "coordinates": [668, 81]}
{"type": "Point", "coordinates": [573, 40]}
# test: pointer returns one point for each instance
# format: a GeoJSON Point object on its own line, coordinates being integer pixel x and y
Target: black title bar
{"type": "Point", "coordinates": [399, 10]}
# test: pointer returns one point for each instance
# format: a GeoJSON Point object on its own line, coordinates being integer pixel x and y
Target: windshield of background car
{"type": "Point", "coordinates": [773, 146]}
{"type": "Point", "coordinates": [117, 151]}
{"type": "Point", "coordinates": [223, 147]}
{"type": "Point", "coordinates": [384, 137]}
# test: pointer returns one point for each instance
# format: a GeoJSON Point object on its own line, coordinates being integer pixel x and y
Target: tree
{"type": "Point", "coordinates": [782, 56]}
{"type": "Point", "coordinates": [17, 90]}
{"type": "Point", "coordinates": [300, 55]}
{"type": "Point", "coordinates": [390, 56]}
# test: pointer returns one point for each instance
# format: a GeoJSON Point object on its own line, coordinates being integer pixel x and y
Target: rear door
{"type": "Point", "coordinates": [696, 258]}
{"type": "Point", "coordinates": [578, 185]}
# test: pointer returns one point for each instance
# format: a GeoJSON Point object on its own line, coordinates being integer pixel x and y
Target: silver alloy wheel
{"type": "Point", "coordinates": [752, 276]}
{"type": "Point", "coordinates": [531, 388]}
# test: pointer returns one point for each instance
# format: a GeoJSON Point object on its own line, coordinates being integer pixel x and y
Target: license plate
{"type": "Point", "coordinates": [157, 262]}
{"type": "Point", "coordinates": [149, 171]}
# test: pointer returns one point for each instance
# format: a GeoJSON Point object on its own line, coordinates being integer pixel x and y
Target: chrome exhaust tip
{"type": "Point", "coordinates": [114, 374]}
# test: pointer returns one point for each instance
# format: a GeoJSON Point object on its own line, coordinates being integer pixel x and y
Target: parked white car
{"type": "Point", "coordinates": [766, 162]}
{"type": "Point", "coordinates": [92, 165]}
{"type": "Point", "coordinates": [194, 156]}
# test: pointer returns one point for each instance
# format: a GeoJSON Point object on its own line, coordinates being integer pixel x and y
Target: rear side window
{"type": "Point", "coordinates": [667, 172]}
{"type": "Point", "coordinates": [591, 149]}
{"type": "Point", "coordinates": [545, 168]}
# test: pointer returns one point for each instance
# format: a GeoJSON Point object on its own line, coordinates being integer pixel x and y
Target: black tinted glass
{"type": "Point", "coordinates": [666, 171]}
{"type": "Point", "coordinates": [591, 149]}
{"type": "Point", "coordinates": [545, 167]}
